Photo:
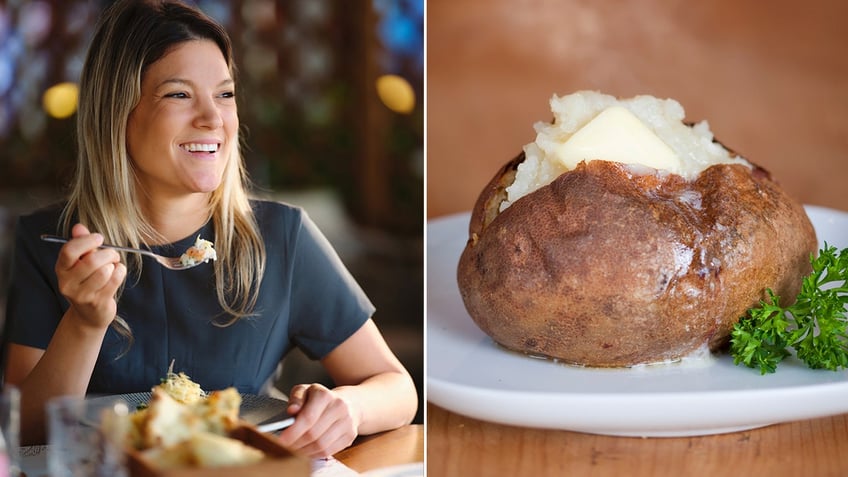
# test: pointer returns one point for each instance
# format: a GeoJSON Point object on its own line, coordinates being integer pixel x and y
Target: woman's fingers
{"type": "Point", "coordinates": [327, 444]}
{"type": "Point", "coordinates": [323, 423]}
{"type": "Point", "coordinates": [297, 397]}
{"type": "Point", "coordinates": [89, 272]}
{"type": "Point", "coordinates": [90, 276]}
{"type": "Point", "coordinates": [79, 230]}
{"type": "Point", "coordinates": [76, 248]}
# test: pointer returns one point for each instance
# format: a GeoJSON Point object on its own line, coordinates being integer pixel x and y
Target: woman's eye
{"type": "Point", "coordinates": [228, 94]}
{"type": "Point", "coordinates": [176, 95]}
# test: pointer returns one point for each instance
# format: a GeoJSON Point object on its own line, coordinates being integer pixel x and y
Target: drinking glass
{"type": "Point", "coordinates": [83, 441]}
{"type": "Point", "coordinates": [10, 426]}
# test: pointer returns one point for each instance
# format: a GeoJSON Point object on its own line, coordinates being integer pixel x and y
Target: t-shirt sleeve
{"type": "Point", "coordinates": [34, 306]}
{"type": "Point", "coordinates": [328, 305]}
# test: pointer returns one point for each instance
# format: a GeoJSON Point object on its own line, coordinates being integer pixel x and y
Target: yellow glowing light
{"type": "Point", "coordinates": [60, 100]}
{"type": "Point", "coordinates": [396, 93]}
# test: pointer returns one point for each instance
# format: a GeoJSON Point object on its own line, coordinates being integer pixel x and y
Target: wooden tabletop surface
{"type": "Point", "coordinates": [462, 446]}
{"type": "Point", "coordinates": [400, 446]}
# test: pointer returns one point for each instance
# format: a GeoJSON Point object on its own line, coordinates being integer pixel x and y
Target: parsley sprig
{"type": "Point", "coordinates": [815, 326]}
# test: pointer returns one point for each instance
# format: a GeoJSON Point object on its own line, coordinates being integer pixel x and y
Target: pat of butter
{"type": "Point", "coordinates": [617, 135]}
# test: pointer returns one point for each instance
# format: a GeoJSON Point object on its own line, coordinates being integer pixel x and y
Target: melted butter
{"type": "Point", "coordinates": [701, 357]}
{"type": "Point", "coordinates": [617, 135]}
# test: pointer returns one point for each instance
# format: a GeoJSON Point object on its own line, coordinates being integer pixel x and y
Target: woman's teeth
{"type": "Point", "coordinates": [192, 147]}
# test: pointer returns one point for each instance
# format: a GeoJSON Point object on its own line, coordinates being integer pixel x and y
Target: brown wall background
{"type": "Point", "coordinates": [770, 77]}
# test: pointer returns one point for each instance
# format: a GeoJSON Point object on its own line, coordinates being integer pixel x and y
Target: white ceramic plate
{"type": "Point", "coordinates": [266, 413]}
{"type": "Point", "coordinates": [470, 375]}
{"type": "Point", "coordinates": [403, 470]}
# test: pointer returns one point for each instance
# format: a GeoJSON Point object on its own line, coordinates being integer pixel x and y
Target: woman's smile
{"type": "Point", "coordinates": [201, 147]}
{"type": "Point", "coordinates": [206, 151]}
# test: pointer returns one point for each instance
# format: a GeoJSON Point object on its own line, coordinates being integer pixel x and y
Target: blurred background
{"type": "Point", "coordinates": [771, 78]}
{"type": "Point", "coordinates": [330, 97]}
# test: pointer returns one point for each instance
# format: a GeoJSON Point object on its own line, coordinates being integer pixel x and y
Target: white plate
{"type": "Point", "coordinates": [403, 470]}
{"type": "Point", "coordinates": [266, 413]}
{"type": "Point", "coordinates": [470, 375]}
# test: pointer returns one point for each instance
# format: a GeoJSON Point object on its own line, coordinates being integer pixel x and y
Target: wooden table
{"type": "Point", "coordinates": [458, 445]}
{"type": "Point", "coordinates": [400, 446]}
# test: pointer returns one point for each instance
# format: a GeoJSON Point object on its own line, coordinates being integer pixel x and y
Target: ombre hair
{"type": "Point", "coordinates": [129, 37]}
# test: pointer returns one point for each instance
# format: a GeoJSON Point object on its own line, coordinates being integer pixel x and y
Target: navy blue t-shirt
{"type": "Point", "coordinates": [307, 299]}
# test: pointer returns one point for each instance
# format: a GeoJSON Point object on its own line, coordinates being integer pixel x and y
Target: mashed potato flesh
{"type": "Point", "coordinates": [644, 131]}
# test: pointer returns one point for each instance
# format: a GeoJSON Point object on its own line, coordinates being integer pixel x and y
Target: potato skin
{"type": "Point", "coordinates": [606, 268]}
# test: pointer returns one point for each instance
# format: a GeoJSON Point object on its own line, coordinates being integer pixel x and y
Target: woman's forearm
{"type": "Point", "coordinates": [64, 368]}
{"type": "Point", "coordinates": [384, 401]}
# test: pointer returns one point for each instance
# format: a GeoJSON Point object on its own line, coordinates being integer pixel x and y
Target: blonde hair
{"type": "Point", "coordinates": [130, 36]}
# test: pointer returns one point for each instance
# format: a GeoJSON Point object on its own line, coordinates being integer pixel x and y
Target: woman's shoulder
{"type": "Point", "coordinates": [274, 215]}
{"type": "Point", "coordinates": [43, 220]}
{"type": "Point", "coordinates": [266, 209]}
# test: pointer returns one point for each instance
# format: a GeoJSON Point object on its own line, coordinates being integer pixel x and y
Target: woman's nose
{"type": "Point", "coordinates": [208, 114]}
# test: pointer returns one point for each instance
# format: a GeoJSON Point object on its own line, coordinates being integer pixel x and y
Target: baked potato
{"type": "Point", "coordinates": [613, 264]}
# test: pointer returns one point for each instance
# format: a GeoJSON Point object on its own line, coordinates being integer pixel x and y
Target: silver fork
{"type": "Point", "coordinates": [172, 263]}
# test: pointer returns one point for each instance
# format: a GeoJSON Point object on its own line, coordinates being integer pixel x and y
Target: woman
{"type": "Point", "coordinates": [159, 166]}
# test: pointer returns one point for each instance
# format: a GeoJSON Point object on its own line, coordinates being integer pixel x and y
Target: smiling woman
{"type": "Point", "coordinates": [158, 123]}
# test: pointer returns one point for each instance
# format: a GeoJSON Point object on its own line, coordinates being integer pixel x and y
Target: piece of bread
{"type": "Point", "coordinates": [203, 449]}
{"type": "Point", "coordinates": [166, 421]}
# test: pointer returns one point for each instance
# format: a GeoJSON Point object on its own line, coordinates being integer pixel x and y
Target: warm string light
{"type": "Point", "coordinates": [396, 93]}
{"type": "Point", "coordinates": [60, 100]}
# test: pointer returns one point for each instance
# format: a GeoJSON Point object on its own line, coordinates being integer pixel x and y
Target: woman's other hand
{"type": "Point", "coordinates": [89, 277]}
{"type": "Point", "coordinates": [374, 393]}
{"type": "Point", "coordinates": [324, 424]}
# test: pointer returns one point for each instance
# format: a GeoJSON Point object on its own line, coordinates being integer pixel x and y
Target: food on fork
{"type": "Point", "coordinates": [624, 236]}
{"type": "Point", "coordinates": [202, 251]}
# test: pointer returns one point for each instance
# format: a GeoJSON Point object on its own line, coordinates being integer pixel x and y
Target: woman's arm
{"type": "Point", "coordinates": [374, 393]}
{"type": "Point", "coordinates": [88, 277]}
{"type": "Point", "coordinates": [63, 369]}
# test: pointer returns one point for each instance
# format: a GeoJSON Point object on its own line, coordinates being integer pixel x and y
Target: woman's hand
{"type": "Point", "coordinates": [89, 277]}
{"type": "Point", "coordinates": [324, 424]}
{"type": "Point", "coordinates": [374, 393]}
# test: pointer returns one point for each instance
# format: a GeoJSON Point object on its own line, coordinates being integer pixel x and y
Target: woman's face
{"type": "Point", "coordinates": [184, 128]}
